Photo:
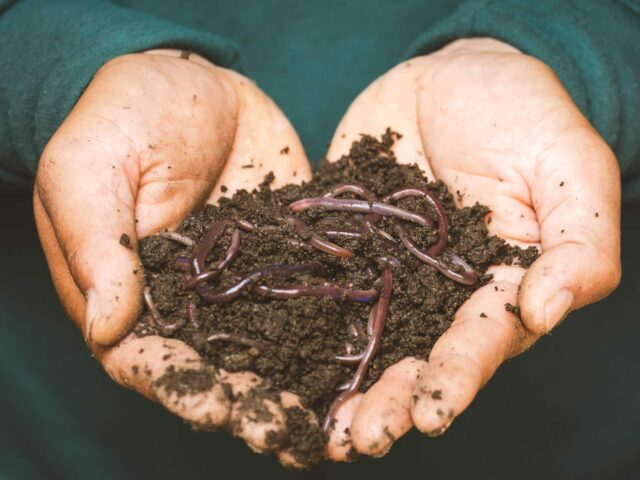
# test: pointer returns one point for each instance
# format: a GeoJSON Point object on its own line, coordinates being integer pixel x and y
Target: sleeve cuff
{"type": "Point", "coordinates": [73, 40]}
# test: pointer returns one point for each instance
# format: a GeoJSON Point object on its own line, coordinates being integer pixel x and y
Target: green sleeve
{"type": "Point", "coordinates": [50, 52]}
{"type": "Point", "coordinates": [592, 45]}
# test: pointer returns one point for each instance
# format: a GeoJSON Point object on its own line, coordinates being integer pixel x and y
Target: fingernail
{"type": "Point", "coordinates": [557, 308]}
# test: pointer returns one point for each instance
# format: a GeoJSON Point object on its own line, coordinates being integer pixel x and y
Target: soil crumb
{"type": "Point", "coordinates": [295, 341]}
{"type": "Point", "coordinates": [512, 308]}
{"type": "Point", "coordinates": [125, 241]}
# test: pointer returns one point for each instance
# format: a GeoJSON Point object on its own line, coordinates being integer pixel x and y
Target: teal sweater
{"type": "Point", "coordinates": [311, 57]}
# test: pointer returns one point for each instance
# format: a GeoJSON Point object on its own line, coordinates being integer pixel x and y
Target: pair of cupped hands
{"type": "Point", "coordinates": [155, 135]}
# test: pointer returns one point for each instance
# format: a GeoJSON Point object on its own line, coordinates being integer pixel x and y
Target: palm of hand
{"type": "Point", "coordinates": [499, 129]}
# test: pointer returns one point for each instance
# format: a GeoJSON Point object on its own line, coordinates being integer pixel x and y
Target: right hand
{"type": "Point", "coordinates": [497, 127]}
{"type": "Point", "coordinates": [154, 137]}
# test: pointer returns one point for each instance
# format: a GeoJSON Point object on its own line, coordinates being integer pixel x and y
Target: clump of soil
{"type": "Point", "coordinates": [302, 336]}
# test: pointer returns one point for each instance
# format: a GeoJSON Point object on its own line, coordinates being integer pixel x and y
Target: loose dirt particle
{"type": "Point", "coordinates": [512, 308]}
{"type": "Point", "coordinates": [125, 241]}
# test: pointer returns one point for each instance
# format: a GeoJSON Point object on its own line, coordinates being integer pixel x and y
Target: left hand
{"type": "Point", "coordinates": [497, 126]}
{"type": "Point", "coordinates": [155, 136]}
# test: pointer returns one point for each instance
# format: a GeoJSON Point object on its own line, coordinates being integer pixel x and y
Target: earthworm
{"type": "Point", "coordinates": [317, 241]}
{"type": "Point", "coordinates": [467, 277]}
{"type": "Point", "coordinates": [348, 347]}
{"type": "Point", "coordinates": [332, 222]}
{"type": "Point", "coordinates": [387, 236]}
{"type": "Point", "coordinates": [443, 222]}
{"type": "Point", "coordinates": [330, 228]}
{"type": "Point", "coordinates": [297, 243]}
{"type": "Point", "coordinates": [370, 351]}
{"type": "Point", "coordinates": [369, 221]}
{"type": "Point", "coordinates": [326, 290]}
{"type": "Point", "coordinates": [247, 226]}
{"type": "Point", "coordinates": [351, 188]}
{"type": "Point", "coordinates": [343, 386]}
{"type": "Point", "coordinates": [212, 296]}
{"type": "Point", "coordinates": [388, 261]}
{"type": "Point", "coordinates": [192, 312]}
{"type": "Point", "coordinates": [242, 340]}
{"type": "Point", "coordinates": [349, 358]}
{"type": "Point", "coordinates": [359, 206]}
{"type": "Point", "coordinates": [167, 327]}
{"type": "Point", "coordinates": [361, 331]}
{"type": "Point", "coordinates": [333, 234]}
{"type": "Point", "coordinates": [232, 253]}
{"type": "Point", "coordinates": [183, 263]}
{"type": "Point", "coordinates": [206, 245]}
{"type": "Point", "coordinates": [353, 331]}
{"type": "Point", "coordinates": [370, 270]}
{"type": "Point", "coordinates": [371, 320]}
{"type": "Point", "coordinates": [176, 237]}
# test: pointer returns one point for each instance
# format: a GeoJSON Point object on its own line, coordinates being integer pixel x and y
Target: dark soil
{"type": "Point", "coordinates": [303, 335]}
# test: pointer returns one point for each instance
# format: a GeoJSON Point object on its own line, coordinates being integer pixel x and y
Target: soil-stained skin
{"type": "Point", "coordinates": [299, 338]}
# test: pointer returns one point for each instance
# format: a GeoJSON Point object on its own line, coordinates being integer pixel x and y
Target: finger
{"type": "Point", "coordinates": [90, 210]}
{"type": "Point", "coordinates": [297, 455]}
{"type": "Point", "coordinates": [172, 373]}
{"type": "Point", "coordinates": [264, 142]}
{"type": "Point", "coordinates": [390, 101]}
{"type": "Point", "coordinates": [384, 414]}
{"type": "Point", "coordinates": [483, 335]}
{"type": "Point", "coordinates": [256, 413]}
{"type": "Point", "coordinates": [576, 194]}
{"type": "Point", "coordinates": [339, 447]}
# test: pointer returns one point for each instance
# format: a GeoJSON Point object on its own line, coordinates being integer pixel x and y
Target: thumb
{"type": "Point", "coordinates": [87, 204]}
{"type": "Point", "coordinates": [576, 195]}
{"type": "Point", "coordinates": [85, 199]}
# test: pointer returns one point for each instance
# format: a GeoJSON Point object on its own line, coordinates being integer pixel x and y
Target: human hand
{"type": "Point", "coordinates": [498, 127]}
{"type": "Point", "coordinates": [154, 136]}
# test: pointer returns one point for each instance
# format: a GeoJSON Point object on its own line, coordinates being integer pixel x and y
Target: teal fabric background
{"type": "Point", "coordinates": [566, 409]}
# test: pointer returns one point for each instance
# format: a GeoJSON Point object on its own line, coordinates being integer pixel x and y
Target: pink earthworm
{"type": "Point", "coordinates": [382, 307]}
{"type": "Point", "coordinates": [232, 253]}
{"type": "Point", "coordinates": [317, 241]}
{"type": "Point", "coordinates": [359, 206]}
{"type": "Point", "coordinates": [239, 339]}
{"type": "Point", "coordinates": [167, 327]}
{"type": "Point", "coordinates": [210, 295]}
{"type": "Point", "coordinates": [443, 222]}
{"type": "Point", "coordinates": [466, 277]}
